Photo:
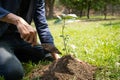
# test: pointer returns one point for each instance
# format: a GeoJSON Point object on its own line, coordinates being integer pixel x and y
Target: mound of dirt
{"type": "Point", "coordinates": [66, 68]}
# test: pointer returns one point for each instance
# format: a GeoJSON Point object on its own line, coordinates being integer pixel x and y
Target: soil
{"type": "Point", "coordinates": [66, 68]}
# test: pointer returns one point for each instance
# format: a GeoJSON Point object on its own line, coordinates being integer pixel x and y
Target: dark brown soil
{"type": "Point", "coordinates": [66, 68]}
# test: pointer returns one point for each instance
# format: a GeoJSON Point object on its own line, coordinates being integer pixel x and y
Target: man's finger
{"type": "Point", "coordinates": [35, 39]}
{"type": "Point", "coordinates": [26, 38]}
{"type": "Point", "coordinates": [31, 38]}
{"type": "Point", "coordinates": [23, 31]}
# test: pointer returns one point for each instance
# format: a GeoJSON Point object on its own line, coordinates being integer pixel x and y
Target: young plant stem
{"type": "Point", "coordinates": [63, 36]}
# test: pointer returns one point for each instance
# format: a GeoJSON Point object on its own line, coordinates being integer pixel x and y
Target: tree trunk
{"type": "Point", "coordinates": [81, 12]}
{"type": "Point", "coordinates": [105, 12]}
{"type": "Point", "coordinates": [112, 10]}
{"type": "Point", "coordinates": [46, 8]}
{"type": "Point", "coordinates": [50, 8]}
{"type": "Point", "coordinates": [88, 9]}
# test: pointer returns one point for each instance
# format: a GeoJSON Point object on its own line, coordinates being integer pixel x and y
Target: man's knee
{"type": "Point", "coordinates": [12, 69]}
{"type": "Point", "coordinates": [10, 66]}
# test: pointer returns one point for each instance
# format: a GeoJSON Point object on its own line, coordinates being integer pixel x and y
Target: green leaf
{"type": "Point", "coordinates": [69, 16]}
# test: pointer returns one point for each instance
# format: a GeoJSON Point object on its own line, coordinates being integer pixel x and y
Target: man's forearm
{"type": "Point", "coordinates": [11, 18]}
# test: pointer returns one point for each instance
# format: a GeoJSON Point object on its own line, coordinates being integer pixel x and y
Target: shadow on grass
{"type": "Point", "coordinates": [111, 22]}
{"type": "Point", "coordinates": [117, 24]}
{"type": "Point", "coordinates": [99, 19]}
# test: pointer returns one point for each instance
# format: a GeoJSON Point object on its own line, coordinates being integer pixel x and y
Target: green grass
{"type": "Point", "coordinates": [96, 42]}
{"type": "Point", "coordinates": [93, 41]}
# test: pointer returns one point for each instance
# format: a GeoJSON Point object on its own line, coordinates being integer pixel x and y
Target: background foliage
{"type": "Point", "coordinates": [84, 7]}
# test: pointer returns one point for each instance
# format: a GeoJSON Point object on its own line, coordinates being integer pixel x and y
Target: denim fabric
{"type": "Point", "coordinates": [21, 48]}
{"type": "Point", "coordinates": [3, 28]}
{"type": "Point", "coordinates": [10, 66]}
{"type": "Point", "coordinates": [13, 49]}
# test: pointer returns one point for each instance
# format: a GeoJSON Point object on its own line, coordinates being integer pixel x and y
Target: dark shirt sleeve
{"type": "Point", "coordinates": [41, 23]}
{"type": "Point", "coordinates": [3, 26]}
{"type": "Point", "coordinates": [3, 12]}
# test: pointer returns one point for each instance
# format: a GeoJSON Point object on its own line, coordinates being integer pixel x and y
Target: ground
{"type": "Point", "coordinates": [66, 68]}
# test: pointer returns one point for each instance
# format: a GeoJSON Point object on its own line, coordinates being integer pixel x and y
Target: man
{"type": "Point", "coordinates": [18, 39]}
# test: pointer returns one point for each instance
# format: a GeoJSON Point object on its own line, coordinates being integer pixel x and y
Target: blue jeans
{"type": "Point", "coordinates": [13, 50]}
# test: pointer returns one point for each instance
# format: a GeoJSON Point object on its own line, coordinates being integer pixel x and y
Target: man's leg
{"type": "Point", "coordinates": [24, 51]}
{"type": "Point", "coordinates": [10, 66]}
{"type": "Point", "coordinates": [34, 54]}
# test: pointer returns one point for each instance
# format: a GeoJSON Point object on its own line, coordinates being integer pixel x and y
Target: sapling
{"type": "Point", "coordinates": [66, 37]}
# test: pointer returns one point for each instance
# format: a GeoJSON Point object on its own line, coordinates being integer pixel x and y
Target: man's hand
{"type": "Point", "coordinates": [27, 32]}
{"type": "Point", "coordinates": [55, 56]}
{"type": "Point", "coordinates": [52, 49]}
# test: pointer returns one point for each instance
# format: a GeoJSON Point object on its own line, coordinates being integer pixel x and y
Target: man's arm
{"type": "Point", "coordinates": [41, 23]}
{"type": "Point", "coordinates": [42, 26]}
{"type": "Point", "coordinates": [25, 30]}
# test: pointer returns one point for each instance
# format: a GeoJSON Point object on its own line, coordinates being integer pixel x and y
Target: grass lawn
{"type": "Point", "coordinates": [96, 42]}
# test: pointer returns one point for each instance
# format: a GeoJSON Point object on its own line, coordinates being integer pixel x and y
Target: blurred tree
{"type": "Point", "coordinates": [87, 5]}
{"type": "Point", "coordinates": [78, 5]}
{"type": "Point", "coordinates": [49, 8]}
{"type": "Point", "coordinates": [104, 4]}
